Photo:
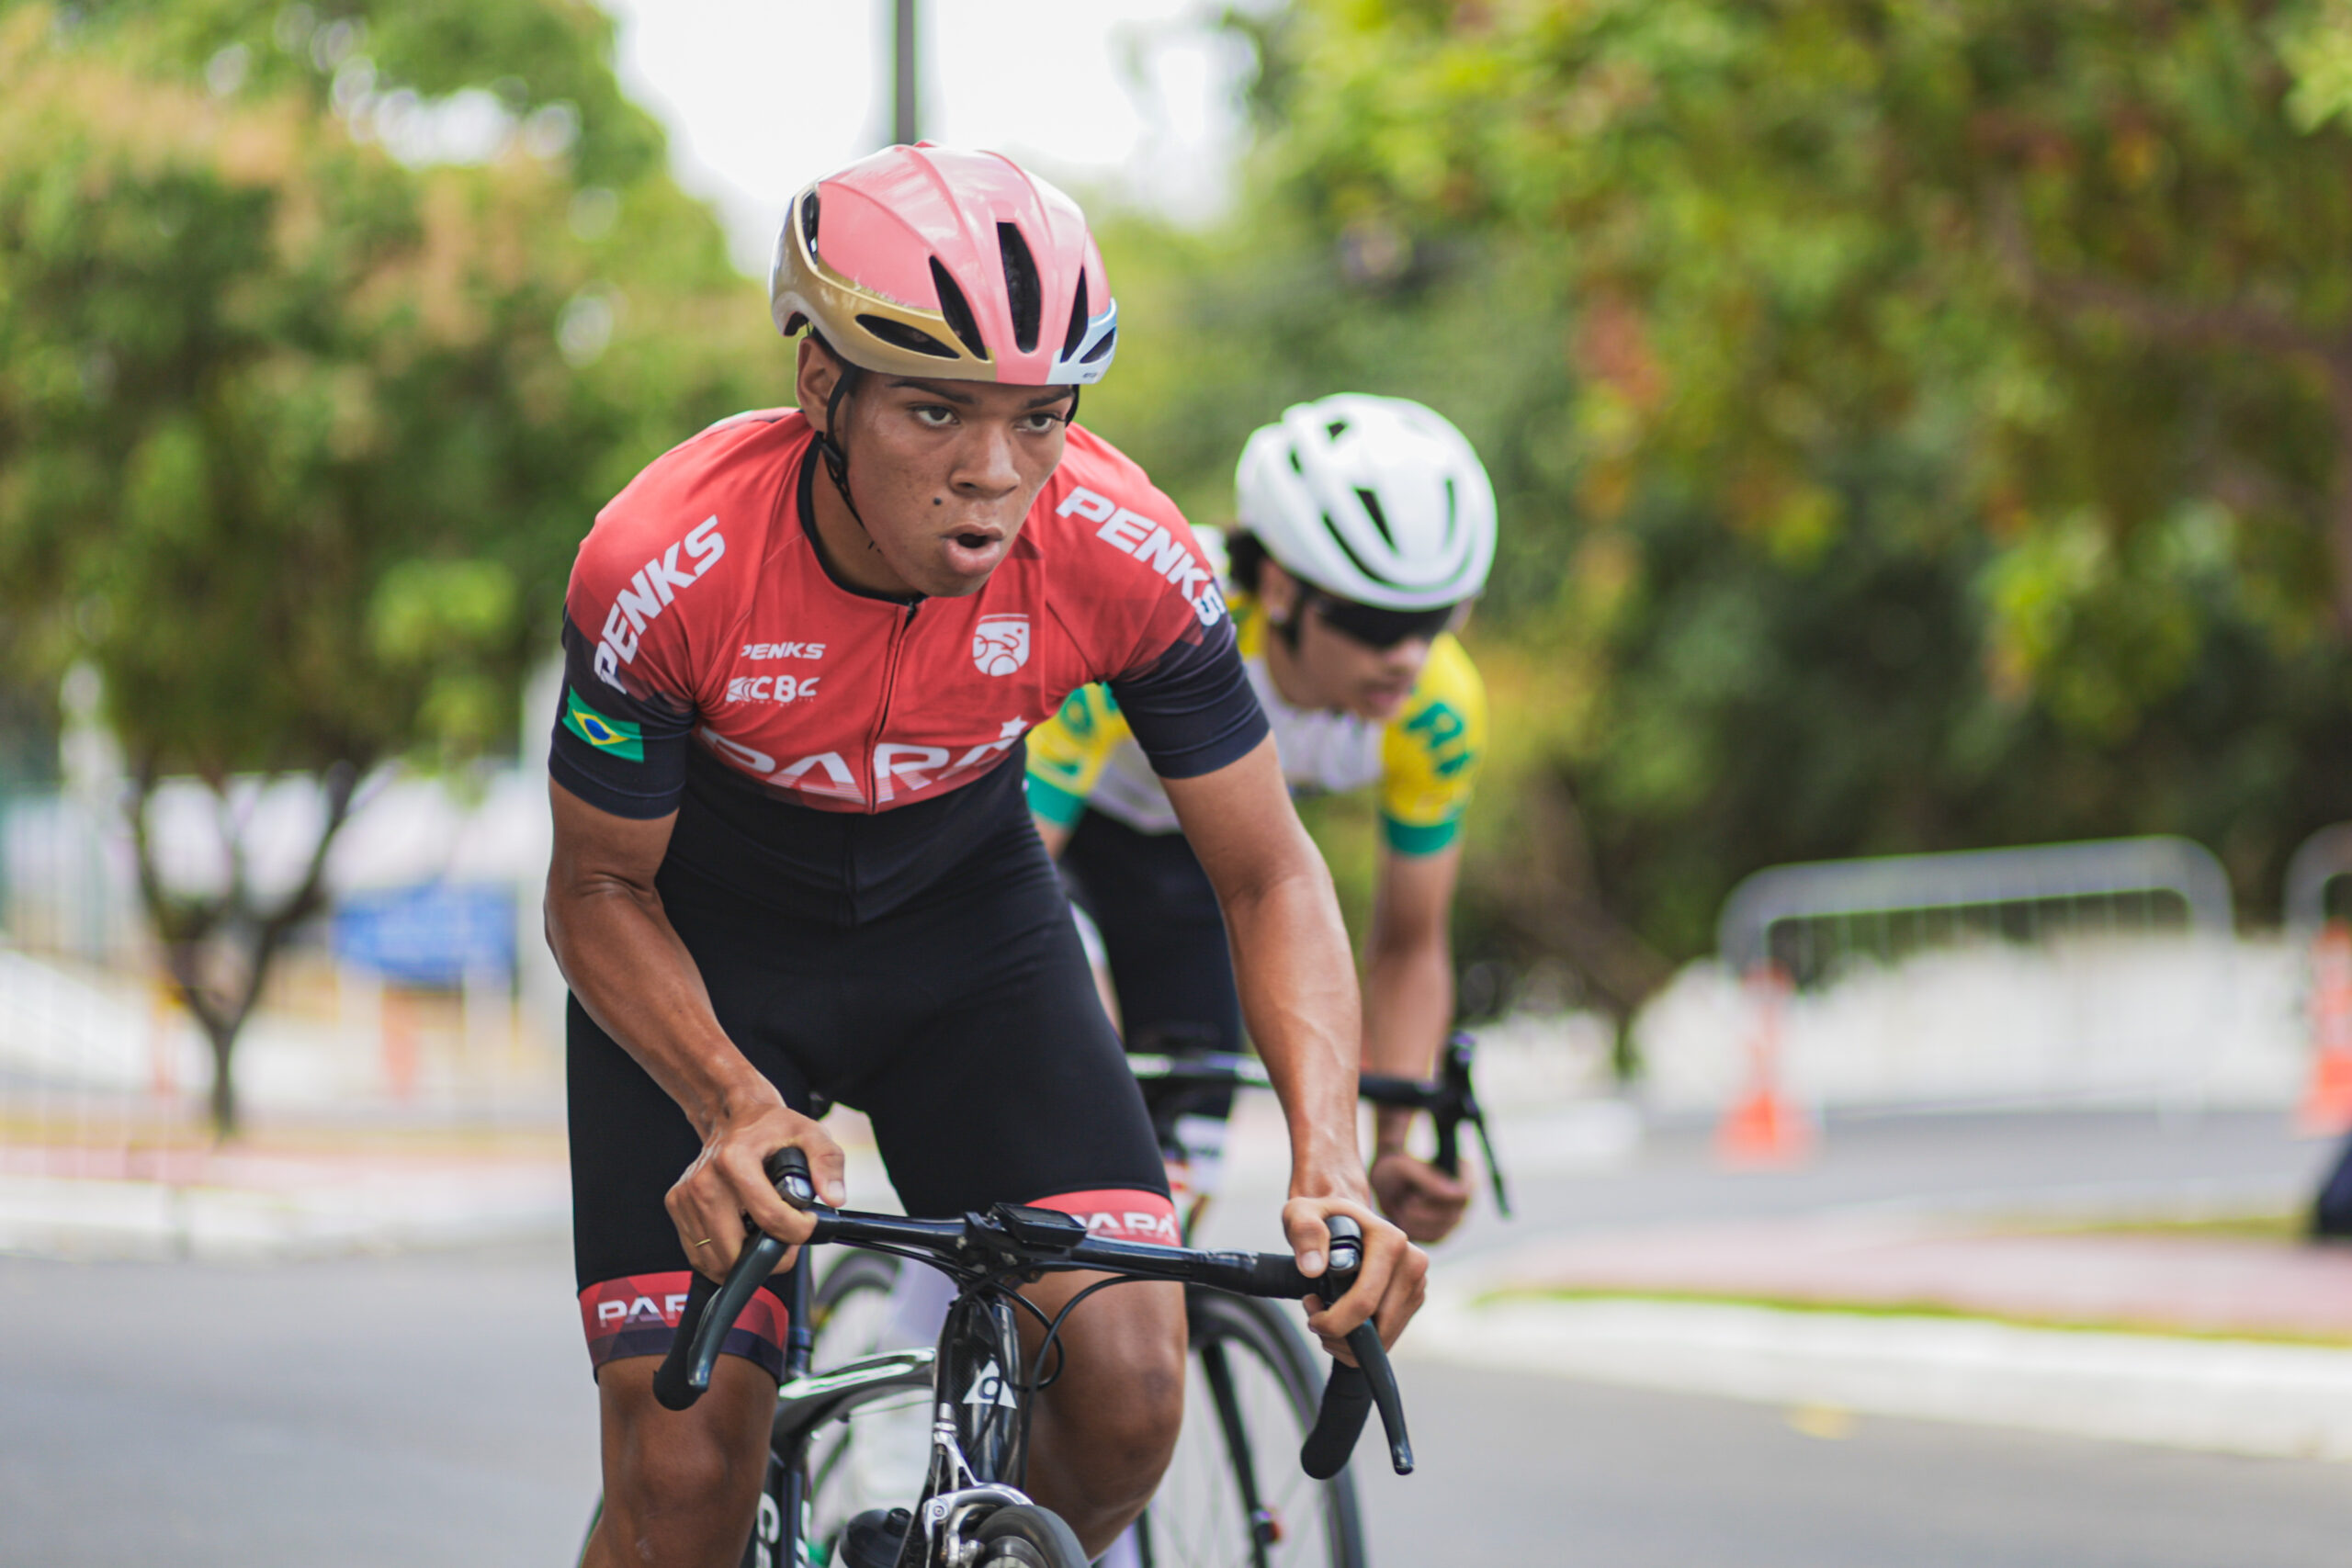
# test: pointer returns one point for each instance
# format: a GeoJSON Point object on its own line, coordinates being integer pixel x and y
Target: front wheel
{"type": "Point", "coordinates": [1025, 1535]}
{"type": "Point", "coordinates": [1234, 1496]}
{"type": "Point", "coordinates": [875, 1456]}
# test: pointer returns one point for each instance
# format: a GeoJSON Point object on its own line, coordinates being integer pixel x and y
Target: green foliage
{"type": "Point", "coordinates": [323, 333]}
{"type": "Point", "coordinates": [1916, 426]}
{"type": "Point", "coordinates": [295, 440]}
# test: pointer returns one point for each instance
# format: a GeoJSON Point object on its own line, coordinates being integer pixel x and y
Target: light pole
{"type": "Point", "coordinates": [902, 99]}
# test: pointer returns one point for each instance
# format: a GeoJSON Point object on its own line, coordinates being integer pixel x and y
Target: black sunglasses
{"type": "Point", "coordinates": [1378, 627]}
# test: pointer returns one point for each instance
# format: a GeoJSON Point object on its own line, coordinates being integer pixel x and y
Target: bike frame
{"type": "Point", "coordinates": [974, 1437]}
{"type": "Point", "coordinates": [972, 1447]}
{"type": "Point", "coordinates": [977, 1436]}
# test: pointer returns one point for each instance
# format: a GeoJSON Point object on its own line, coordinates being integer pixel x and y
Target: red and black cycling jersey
{"type": "Point", "coordinates": [818, 741]}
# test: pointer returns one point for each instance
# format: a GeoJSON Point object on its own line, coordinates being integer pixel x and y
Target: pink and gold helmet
{"type": "Point", "coordinates": [938, 263]}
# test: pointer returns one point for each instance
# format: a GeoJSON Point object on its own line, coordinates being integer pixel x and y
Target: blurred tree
{"type": "Point", "coordinates": [1917, 425]}
{"type": "Point", "coordinates": [323, 331]}
{"type": "Point", "coordinates": [2086, 257]}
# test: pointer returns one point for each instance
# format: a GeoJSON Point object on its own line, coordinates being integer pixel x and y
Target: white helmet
{"type": "Point", "coordinates": [1375, 500]}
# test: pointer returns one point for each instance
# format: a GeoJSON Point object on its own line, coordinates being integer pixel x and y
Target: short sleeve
{"type": "Point", "coordinates": [1431, 752]}
{"type": "Point", "coordinates": [1193, 710]}
{"type": "Point", "coordinates": [620, 752]}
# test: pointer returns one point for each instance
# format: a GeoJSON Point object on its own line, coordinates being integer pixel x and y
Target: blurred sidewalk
{"type": "Point", "coordinates": [312, 1190]}
{"type": "Point", "coordinates": [265, 1202]}
{"type": "Point", "coordinates": [2179, 1336]}
{"type": "Point", "coordinates": [2161, 1280]}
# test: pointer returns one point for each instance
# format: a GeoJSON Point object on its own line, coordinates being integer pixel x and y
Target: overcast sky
{"type": "Point", "coordinates": [762, 96]}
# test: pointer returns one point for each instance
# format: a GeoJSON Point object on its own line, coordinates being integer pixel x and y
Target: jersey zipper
{"type": "Point", "coordinates": [906, 620]}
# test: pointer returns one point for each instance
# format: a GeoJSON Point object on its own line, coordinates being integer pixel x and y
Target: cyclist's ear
{"type": "Point", "coordinates": [1279, 592]}
{"type": "Point", "coordinates": [817, 374]}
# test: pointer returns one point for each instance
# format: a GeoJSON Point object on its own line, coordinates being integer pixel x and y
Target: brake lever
{"type": "Point", "coordinates": [1353, 1393]}
{"type": "Point", "coordinates": [1371, 1358]}
{"type": "Point", "coordinates": [711, 1311]}
{"type": "Point", "coordinates": [787, 1171]}
{"type": "Point", "coordinates": [1461, 1105]}
{"type": "Point", "coordinates": [1494, 1166]}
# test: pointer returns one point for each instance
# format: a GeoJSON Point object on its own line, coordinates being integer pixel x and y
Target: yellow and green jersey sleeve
{"type": "Point", "coordinates": [1431, 753]}
{"type": "Point", "coordinates": [1067, 753]}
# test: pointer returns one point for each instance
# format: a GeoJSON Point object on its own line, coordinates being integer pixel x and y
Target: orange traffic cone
{"type": "Point", "coordinates": [1764, 1129]}
{"type": "Point", "coordinates": [2327, 1109]}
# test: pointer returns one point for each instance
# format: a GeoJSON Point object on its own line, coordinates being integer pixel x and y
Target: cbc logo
{"type": "Point", "coordinates": [1001, 644]}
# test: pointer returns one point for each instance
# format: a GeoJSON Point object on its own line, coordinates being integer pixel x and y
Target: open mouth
{"type": "Point", "coordinates": [974, 551]}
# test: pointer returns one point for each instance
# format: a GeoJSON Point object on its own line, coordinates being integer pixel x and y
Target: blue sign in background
{"type": "Point", "coordinates": [434, 934]}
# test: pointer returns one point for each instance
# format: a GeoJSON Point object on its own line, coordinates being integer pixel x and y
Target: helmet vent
{"type": "Point", "coordinates": [897, 334]}
{"type": "Point", "coordinates": [1295, 466]}
{"type": "Point", "coordinates": [1336, 429]}
{"type": "Point", "coordinates": [1453, 509]}
{"type": "Point", "coordinates": [1076, 333]}
{"type": "Point", "coordinates": [1361, 565]}
{"type": "Point", "coordinates": [1102, 350]}
{"type": "Point", "coordinates": [958, 311]}
{"type": "Point", "coordinates": [1370, 500]}
{"type": "Point", "coordinates": [809, 221]}
{"type": "Point", "coordinates": [1021, 288]}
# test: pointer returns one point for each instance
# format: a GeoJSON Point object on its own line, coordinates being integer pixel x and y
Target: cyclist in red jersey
{"type": "Point", "coordinates": [793, 857]}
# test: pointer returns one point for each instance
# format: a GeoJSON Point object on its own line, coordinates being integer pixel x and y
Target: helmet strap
{"type": "Point", "coordinates": [836, 456]}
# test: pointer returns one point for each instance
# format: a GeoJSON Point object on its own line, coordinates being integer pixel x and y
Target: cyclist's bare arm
{"type": "Point", "coordinates": [1408, 1006]}
{"type": "Point", "coordinates": [626, 965]}
{"type": "Point", "coordinates": [1054, 834]}
{"type": "Point", "coordinates": [1299, 993]}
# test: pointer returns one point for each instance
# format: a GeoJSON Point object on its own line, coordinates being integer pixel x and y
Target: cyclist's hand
{"type": "Point", "coordinates": [1425, 1202]}
{"type": "Point", "coordinates": [1388, 1287]}
{"type": "Point", "coordinates": [727, 1181]}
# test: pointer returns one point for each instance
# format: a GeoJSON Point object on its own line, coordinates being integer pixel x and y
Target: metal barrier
{"type": "Point", "coordinates": [2057, 974]}
{"type": "Point", "coordinates": [2318, 862]}
{"type": "Point", "coordinates": [1916, 901]}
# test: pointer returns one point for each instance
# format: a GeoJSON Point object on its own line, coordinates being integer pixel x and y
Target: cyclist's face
{"type": "Point", "coordinates": [1334, 670]}
{"type": "Point", "coordinates": [943, 472]}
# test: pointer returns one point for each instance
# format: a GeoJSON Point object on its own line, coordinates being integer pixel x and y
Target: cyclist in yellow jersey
{"type": "Point", "coordinates": [1366, 526]}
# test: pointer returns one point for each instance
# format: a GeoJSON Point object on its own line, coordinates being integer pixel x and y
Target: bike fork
{"type": "Point", "coordinates": [778, 1534]}
{"type": "Point", "coordinates": [1264, 1529]}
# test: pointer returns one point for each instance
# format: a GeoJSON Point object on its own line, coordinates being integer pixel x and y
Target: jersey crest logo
{"type": "Point", "coordinates": [1001, 644]}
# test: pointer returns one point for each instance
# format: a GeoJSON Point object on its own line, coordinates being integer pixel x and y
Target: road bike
{"type": "Point", "coordinates": [975, 1387]}
{"type": "Point", "coordinates": [1251, 1390]}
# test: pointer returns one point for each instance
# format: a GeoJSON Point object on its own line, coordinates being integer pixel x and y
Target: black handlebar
{"type": "Point", "coordinates": [1450, 1097]}
{"type": "Point", "coordinates": [1352, 1392]}
{"type": "Point", "coordinates": [1450, 1101]}
{"type": "Point", "coordinates": [711, 1310]}
{"type": "Point", "coordinates": [1040, 1239]}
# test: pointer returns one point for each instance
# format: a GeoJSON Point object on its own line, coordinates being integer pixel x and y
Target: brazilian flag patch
{"type": "Point", "coordinates": [612, 735]}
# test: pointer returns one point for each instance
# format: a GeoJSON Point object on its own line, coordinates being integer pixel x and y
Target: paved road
{"type": "Point", "coordinates": [423, 1409]}
{"type": "Point", "coordinates": [1521, 1472]}
{"type": "Point", "coordinates": [2014, 1162]}
{"type": "Point", "coordinates": [437, 1408]}
{"type": "Point", "coordinates": [434, 1409]}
